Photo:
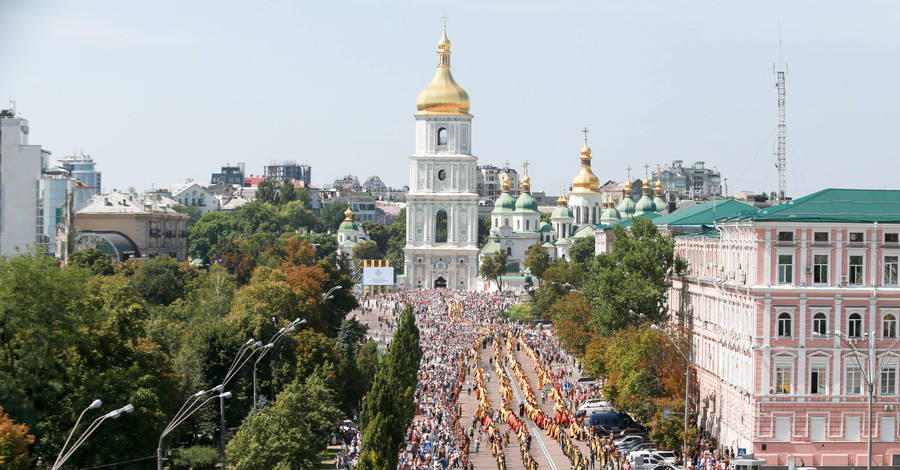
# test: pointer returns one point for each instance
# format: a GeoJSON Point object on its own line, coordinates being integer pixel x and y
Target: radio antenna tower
{"type": "Point", "coordinates": [781, 147]}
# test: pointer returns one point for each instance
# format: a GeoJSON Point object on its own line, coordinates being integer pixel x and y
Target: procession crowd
{"type": "Point", "coordinates": [455, 327]}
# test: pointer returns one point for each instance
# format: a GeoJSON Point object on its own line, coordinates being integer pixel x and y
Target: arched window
{"type": "Point", "coordinates": [889, 326]}
{"type": "Point", "coordinates": [509, 251]}
{"type": "Point", "coordinates": [820, 323]}
{"type": "Point", "coordinates": [497, 222]}
{"type": "Point", "coordinates": [854, 325]}
{"type": "Point", "coordinates": [440, 227]}
{"type": "Point", "coordinates": [442, 136]}
{"type": "Point", "coordinates": [785, 329]}
{"type": "Point", "coordinates": [527, 225]}
{"type": "Point", "coordinates": [505, 221]}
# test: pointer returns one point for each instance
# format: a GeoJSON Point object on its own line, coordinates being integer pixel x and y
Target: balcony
{"type": "Point", "coordinates": [155, 232]}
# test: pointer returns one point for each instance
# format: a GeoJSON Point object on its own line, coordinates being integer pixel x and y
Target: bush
{"type": "Point", "coordinates": [195, 458]}
{"type": "Point", "coordinates": [524, 312]}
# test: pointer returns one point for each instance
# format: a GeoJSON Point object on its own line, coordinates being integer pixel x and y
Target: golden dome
{"type": "Point", "coordinates": [443, 95]}
{"type": "Point", "coordinates": [561, 201]}
{"type": "Point", "coordinates": [586, 181]}
{"type": "Point", "coordinates": [645, 188]}
{"type": "Point", "coordinates": [526, 184]}
{"type": "Point", "coordinates": [659, 188]}
{"type": "Point", "coordinates": [349, 214]}
{"type": "Point", "coordinates": [628, 190]}
{"type": "Point", "coordinates": [505, 185]}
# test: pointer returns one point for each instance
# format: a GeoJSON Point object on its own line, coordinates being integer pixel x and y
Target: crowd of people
{"type": "Point", "coordinates": [455, 327]}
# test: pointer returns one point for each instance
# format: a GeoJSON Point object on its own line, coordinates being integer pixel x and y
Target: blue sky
{"type": "Point", "coordinates": [165, 90]}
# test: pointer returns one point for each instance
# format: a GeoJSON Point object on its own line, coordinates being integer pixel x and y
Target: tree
{"type": "Point", "coordinates": [288, 192]}
{"type": "Point", "coordinates": [397, 242]}
{"type": "Point", "coordinates": [582, 251]}
{"type": "Point", "coordinates": [192, 211]}
{"type": "Point", "coordinates": [366, 250]}
{"type": "Point", "coordinates": [206, 233]}
{"type": "Point", "coordinates": [537, 260]}
{"type": "Point", "coordinates": [94, 259]}
{"type": "Point", "coordinates": [390, 406]}
{"type": "Point", "coordinates": [161, 280]}
{"type": "Point", "coordinates": [14, 442]}
{"type": "Point", "coordinates": [292, 432]}
{"type": "Point", "coordinates": [484, 230]}
{"type": "Point", "coordinates": [331, 216]}
{"type": "Point", "coordinates": [267, 191]}
{"type": "Point", "coordinates": [559, 279]}
{"type": "Point", "coordinates": [379, 234]}
{"type": "Point", "coordinates": [494, 268]}
{"type": "Point", "coordinates": [633, 276]}
{"type": "Point", "coordinates": [571, 317]}
{"type": "Point", "coordinates": [297, 216]}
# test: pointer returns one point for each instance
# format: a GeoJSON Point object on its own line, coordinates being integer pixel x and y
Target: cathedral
{"type": "Point", "coordinates": [442, 204]}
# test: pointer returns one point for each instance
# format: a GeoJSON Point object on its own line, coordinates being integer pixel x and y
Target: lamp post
{"type": "Point", "coordinates": [869, 376]}
{"type": "Point", "coordinates": [265, 349]}
{"type": "Point", "coordinates": [187, 409]}
{"type": "Point", "coordinates": [64, 454]}
{"type": "Point", "coordinates": [687, 390]}
{"type": "Point", "coordinates": [328, 295]}
{"type": "Point", "coordinates": [245, 352]}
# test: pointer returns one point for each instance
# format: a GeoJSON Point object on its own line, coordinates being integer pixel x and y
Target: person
{"type": "Point", "coordinates": [477, 445]}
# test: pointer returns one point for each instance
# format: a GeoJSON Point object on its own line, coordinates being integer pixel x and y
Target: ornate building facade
{"type": "Point", "coordinates": [442, 203]}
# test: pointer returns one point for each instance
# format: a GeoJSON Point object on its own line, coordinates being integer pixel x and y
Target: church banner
{"type": "Point", "coordinates": [378, 276]}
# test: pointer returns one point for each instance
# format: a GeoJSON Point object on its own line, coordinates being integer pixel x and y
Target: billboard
{"type": "Point", "coordinates": [382, 276]}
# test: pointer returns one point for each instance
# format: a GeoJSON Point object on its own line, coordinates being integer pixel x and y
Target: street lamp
{"type": "Point", "coordinates": [189, 407]}
{"type": "Point", "coordinates": [687, 390]}
{"type": "Point", "coordinates": [239, 361]}
{"type": "Point", "coordinates": [265, 349]}
{"type": "Point", "coordinates": [328, 295]}
{"type": "Point", "coordinates": [64, 455]}
{"type": "Point", "coordinates": [94, 404]}
{"type": "Point", "coordinates": [869, 377]}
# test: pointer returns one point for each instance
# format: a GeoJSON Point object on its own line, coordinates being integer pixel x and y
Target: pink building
{"type": "Point", "coordinates": [763, 289]}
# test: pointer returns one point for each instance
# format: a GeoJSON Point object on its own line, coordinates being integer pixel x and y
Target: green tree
{"type": "Point", "coordinates": [192, 211]}
{"type": "Point", "coordinates": [14, 443]}
{"type": "Point", "coordinates": [292, 432]}
{"type": "Point", "coordinates": [559, 279]}
{"type": "Point", "coordinates": [397, 242]}
{"type": "Point", "coordinates": [94, 259]}
{"type": "Point", "coordinates": [571, 317]}
{"type": "Point", "coordinates": [493, 268]}
{"type": "Point", "coordinates": [297, 216]}
{"type": "Point", "coordinates": [162, 280]}
{"type": "Point", "coordinates": [537, 260]}
{"type": "Point", "coordinates": [288, 191]}
{"type": "Point", "coordinates": [366, 250]}
{"type": "Point", "coordinates": [633, 276]}
{"type": "Point", "coordinates": [390, 406]}
{"type": "Point", "coordinates": [582, 251]}
{"type": "Point", "coordinates": [267, 191]}
{"type": "Point", "coordinates": [379, 234]}
{"type": "Point", "coordinates": [207, 232]}
{"type": "Point", "coordinates": [331, 216]}
{"type": "Point", "coordinates": [258, 216]}
{"type": "Point", "coordinates": [484, 230]}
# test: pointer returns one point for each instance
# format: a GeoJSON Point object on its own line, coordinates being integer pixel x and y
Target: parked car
{"type": "Point", "coordinates": [664, 467]}
{"type": "Point", "coordinates": [668, 456]}
{"type": "Point", "coordinates": [608, 423]}
{"type": "Point", "coordinates": [586, 381]}
{"type": "Point", "coordinates": [597, 407]}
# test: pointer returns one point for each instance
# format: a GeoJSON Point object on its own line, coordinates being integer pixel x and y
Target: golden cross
{"type": "Point", "coordinates": [507, 164]}
{"type": "Point", "coordinates": [445, 18]}
{"type": "Point", "coordinates": [585, 134]}
{"type": "Point", "coordinates": [646, 169]}
{"type": "Point", "coordinates": [628, 169]}
{"type": "Point", "coordinates": [525, 166]}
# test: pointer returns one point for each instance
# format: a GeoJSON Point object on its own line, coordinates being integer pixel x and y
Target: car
{"type": "Point", "coordinates": [597, 407]}
{"type": "Point", "coordinates": [586, 381]}
{"type": "Point", "coordinates": [609, 423]}
{"type": "Point", "coordinates": [668, 456]}
{"type": "Point", "coordinates": [646, 460]}
{"type": "Point", "coordinates": [631, 438]}
{"type": "Point", "coordinates": [664, 467]}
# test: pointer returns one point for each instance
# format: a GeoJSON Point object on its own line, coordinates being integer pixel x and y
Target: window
{"type": "Point", "coordinates": [820, 323]}
{"type": "Point", "coordinates": [856, 269]}
{"type": "Point", "coordinates": [820, 236]}
{"type": "Point", "coordinates": [820, 269]}
{"type": "Point", "coordinates": [783, 377]}
{"type": "Point", "coordinates": [442, 136]}
{"type": "Point", "coordinates": [785, 236]}
{"type": "Point", "coordinates": [889, 381]}
{"type": "Point", "coordinates": [440, 227]}
{"type": "Point", "coordinates": [857, 237]}
{"type": "Point", "coordinates": [854, 325]}
{"type": "Point", "coordinates": [890, 270]}
{"type": "Point", "coordinates": [889, 326]}
{"type": "Point", "coordinates": [853, 383]}
{"type": "Point", "coordinates": [817, 379]}
{"type": "Point", "coordinates": [785, 269]}
{"type": "Point", "coordinates": [508, 251]}
{"type": "Point", "coordinates": [784, 325]}
{"type": "Point", "coordinates": [891, 238]}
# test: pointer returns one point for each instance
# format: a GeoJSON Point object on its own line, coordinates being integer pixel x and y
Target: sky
{"type": "Point", "coordinates": [163, 91]}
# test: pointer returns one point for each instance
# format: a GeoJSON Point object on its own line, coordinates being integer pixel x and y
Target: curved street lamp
{"type": "Point", "coordinates": [265, 350]}
{"type": "Point", "coordinates": [187, 409]}
{"type": "Point", "coordinates": [64, 455]}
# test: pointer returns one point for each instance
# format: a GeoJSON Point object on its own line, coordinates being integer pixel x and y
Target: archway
{"type": "Point", "coordinates": [440, 283]}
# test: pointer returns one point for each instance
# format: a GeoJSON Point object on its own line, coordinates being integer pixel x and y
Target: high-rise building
{"type": "Point", "coordinates": [292, 170]}
{"type": "Point", "coordinates": [695, 181]}
{"type": "Point", "coordinates": [21, 165]}
{"type": "Point", "coordinates": [442, 204]}
{"type": "Point", "coordinates": [83, 168]}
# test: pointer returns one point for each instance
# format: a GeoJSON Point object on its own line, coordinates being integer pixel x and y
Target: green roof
{"type": "Point", "coordinates": [491, 247]}
{"type": "Point", "coordinates": [348, 225]}
{"type": "Point", "coordinates": [526, 203]}
{"type": "Point", "coordinates": [545, 227]}
{"type": "Point", "coordinates": [561, 212]}
{"type": "Point", "coordinates": [627, 221]}
{"type": "Point", "coordinates": [644, 206]}
{"type": "Point", "coordinates": [505, 204]}
{"type": "Point", "coordinates": [837, 205]}
{"type": "Point", "coordinates": [584, 231]}
{"type": "Point", "coordinates": [706, 213]}
{"type": "Point", "coordinates": [626, 207]}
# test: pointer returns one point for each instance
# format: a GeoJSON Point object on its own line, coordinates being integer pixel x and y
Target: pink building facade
{"type": "Point", "coordinates": [763, 294]}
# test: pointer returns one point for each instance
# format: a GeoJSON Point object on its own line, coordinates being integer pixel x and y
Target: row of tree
{"type": "Point", "coordinates": [153, 332]}
{"type": "Point", "coordinates": [603, 306]}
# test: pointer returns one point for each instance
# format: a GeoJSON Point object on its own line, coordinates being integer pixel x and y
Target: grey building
{"type": "Point", "coordinates": [693, 182]}
{"type": "Point", "coordinates": [229, 175]}
{"type": "Point", "coordinates": [288, 169]}
{"type": "Point", "coordinates": [82, 168]}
